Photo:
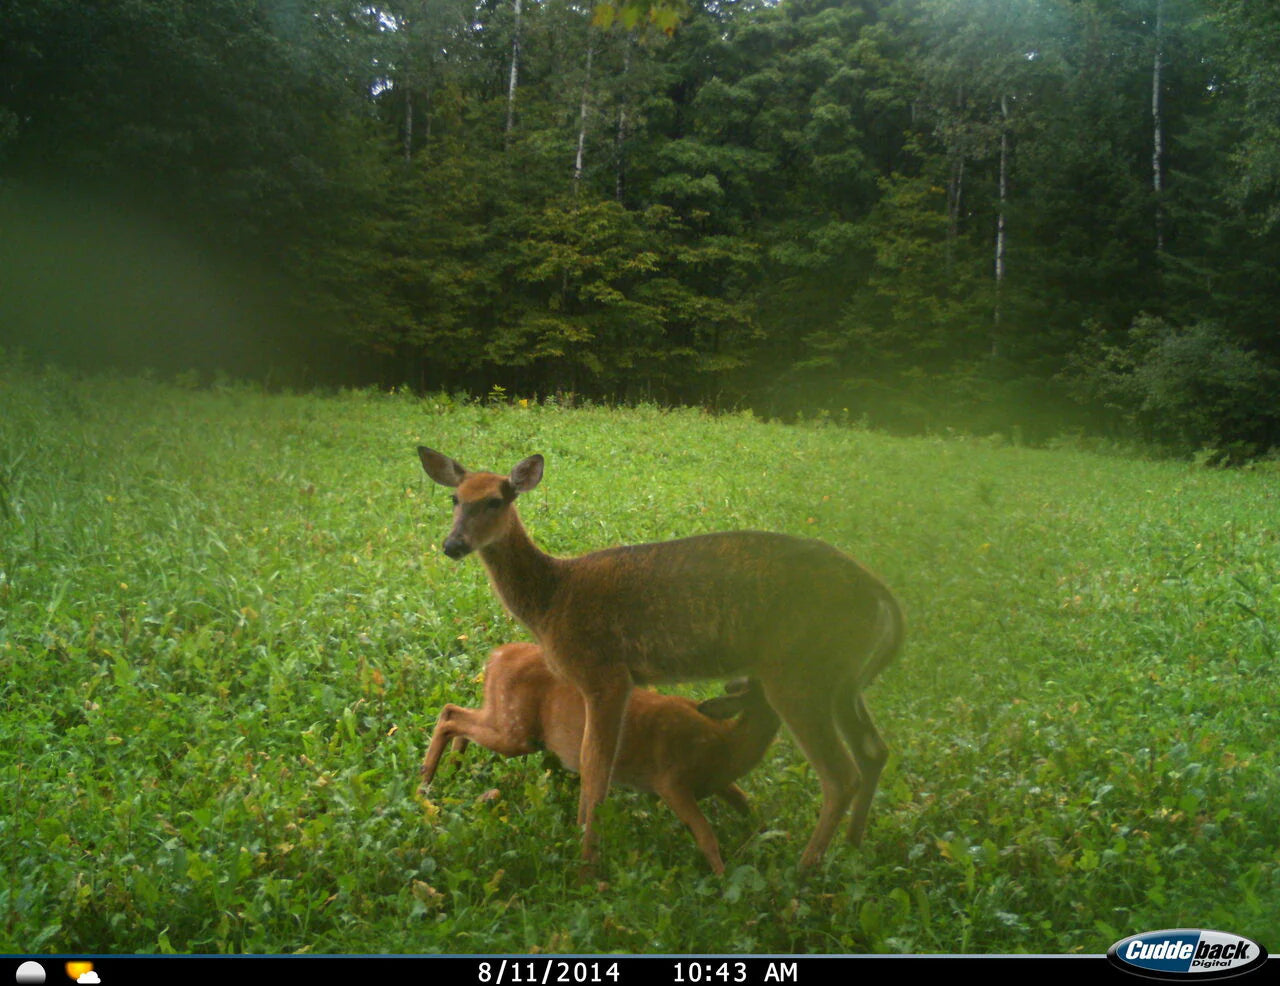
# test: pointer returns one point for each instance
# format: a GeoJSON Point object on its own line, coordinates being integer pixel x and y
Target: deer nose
{"type": "Point", "coordinates": [456, 547]}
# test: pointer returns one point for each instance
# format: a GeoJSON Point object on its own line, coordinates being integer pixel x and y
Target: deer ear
{"type": "Point", "coordinates": [441, 468]}
{"type": "Point", "coordinates": [527, 474]}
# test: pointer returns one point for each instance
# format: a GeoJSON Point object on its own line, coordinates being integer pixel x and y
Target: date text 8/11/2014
{"type": "Point", "coordinates": [544, 972]}
{"type": "Point", "coordinates": [584, 972]}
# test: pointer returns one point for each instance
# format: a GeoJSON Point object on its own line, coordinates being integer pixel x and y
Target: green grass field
{"type": "Point", "coordinates": [226, 627]}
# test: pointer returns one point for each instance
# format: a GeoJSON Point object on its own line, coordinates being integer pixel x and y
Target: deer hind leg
{"type": "Point", "coordinates": [871, 754]}
{"type": "Point", "coordinates": [686, 808]}
{"type": "Point", "coordinates": [807, 709]}
{"type": "Point", "coordinates": [460, 725]}
{"type": "Point", "coordinates": [605, 691]}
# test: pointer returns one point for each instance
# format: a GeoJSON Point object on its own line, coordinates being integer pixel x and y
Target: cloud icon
{"type": "Point", "coordinates": [30, 972]}
{"type": "Point", "coordinates": [89, 977]}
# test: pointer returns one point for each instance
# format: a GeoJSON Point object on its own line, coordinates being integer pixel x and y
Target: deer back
{"type": "Point", "coordinates": [711, 605]}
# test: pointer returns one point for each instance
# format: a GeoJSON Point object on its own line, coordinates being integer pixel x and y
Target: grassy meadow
{"type": "Point", "coordinates": [226, 628]}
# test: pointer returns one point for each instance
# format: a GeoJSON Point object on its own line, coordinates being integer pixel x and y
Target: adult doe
{"type": "Point", "coordinates": [671, 746]}
{"type": "Point", "coordinates": [810, 623]}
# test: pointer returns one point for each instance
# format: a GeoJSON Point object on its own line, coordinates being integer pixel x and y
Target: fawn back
{"type": "Point", "coordinates": [671, 746]}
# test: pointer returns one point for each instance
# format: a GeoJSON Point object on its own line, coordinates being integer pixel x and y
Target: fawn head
{"type": "Point", "coordinates": [482, 501]}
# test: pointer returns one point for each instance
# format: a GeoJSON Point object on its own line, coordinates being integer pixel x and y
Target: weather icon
{"type": "Point", "coordinates": [82, 972]}
{"type": "Point", "coordinates": [29, 972]}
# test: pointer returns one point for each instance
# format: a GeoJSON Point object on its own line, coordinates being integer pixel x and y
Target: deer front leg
{"type": "Point", "coordinates": [605, 691]}
{"type": "Point", "coordinates": [446, 730]}
{"type": "Point", "coordinates": [462, 725]}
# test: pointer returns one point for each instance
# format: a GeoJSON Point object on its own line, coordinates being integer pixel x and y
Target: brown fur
{"type": "Point", "coordinates": [668, 747]}
{"type": "Point", "coordinates": [810, 623]}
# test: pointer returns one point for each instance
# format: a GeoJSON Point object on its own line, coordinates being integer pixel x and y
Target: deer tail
{"type": "Point", "coordinates": [890, 631]}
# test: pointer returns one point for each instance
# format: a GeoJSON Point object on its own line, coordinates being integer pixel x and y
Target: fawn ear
{"type": "Point", "coordinates": [722, 706]}
{"type": "Point", "coordinates": [740, 686]}
{"type": "Point", "coordinates": [441, 468]}
{"type": "Point", "coordinates": [738, 694]}
{"type": "Point", "coordinates": [527, 474]}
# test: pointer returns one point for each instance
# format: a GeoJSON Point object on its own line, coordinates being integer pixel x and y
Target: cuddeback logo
{"type": "Point", "coordinates": [1186, 953]}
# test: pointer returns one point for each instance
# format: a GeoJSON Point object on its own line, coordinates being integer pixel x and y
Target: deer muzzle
{"type": "Point", "coordinates": [456, 546]}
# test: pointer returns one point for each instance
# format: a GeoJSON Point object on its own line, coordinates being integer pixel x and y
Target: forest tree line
{"type": "Point", "coordinates": [979, 214]}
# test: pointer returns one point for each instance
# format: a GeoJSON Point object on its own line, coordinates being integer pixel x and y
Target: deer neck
{"type": "Point", "coordinates": [524, 577]}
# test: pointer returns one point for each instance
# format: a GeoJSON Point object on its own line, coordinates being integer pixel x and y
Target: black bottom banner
{"type": "Point", "coordinates": [562, 970]}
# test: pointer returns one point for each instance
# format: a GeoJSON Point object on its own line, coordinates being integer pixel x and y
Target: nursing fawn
{"type": "Point", "coordinates": [671, 746]}
{"type": "Point", "coordinates": [807, 621]}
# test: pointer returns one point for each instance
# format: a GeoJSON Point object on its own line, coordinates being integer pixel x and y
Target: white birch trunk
{"type": "Point", "coordinates": [620, 136]}
{"type": "Point", "coordinates": [1157, 126]}
{"type": "Point", "coordinates": [582, 124]}
{"type": "Point", "coordinates": [515, 71]}
{"type": "Point", "coordinates": [408, 125]}
{"type": "Point", "coordinates": [1000, 218]}
{"type": "Point", "coordinates": [955, 193]}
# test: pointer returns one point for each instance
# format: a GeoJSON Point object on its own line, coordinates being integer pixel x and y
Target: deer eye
{"type": "Point", "coordinates": [494, 502]}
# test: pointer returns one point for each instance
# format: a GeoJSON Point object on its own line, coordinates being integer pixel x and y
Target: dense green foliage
{"type": "Point", "coordinates": [226, 628]}
{"type": "Point", "coordinates": [926, 213]}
